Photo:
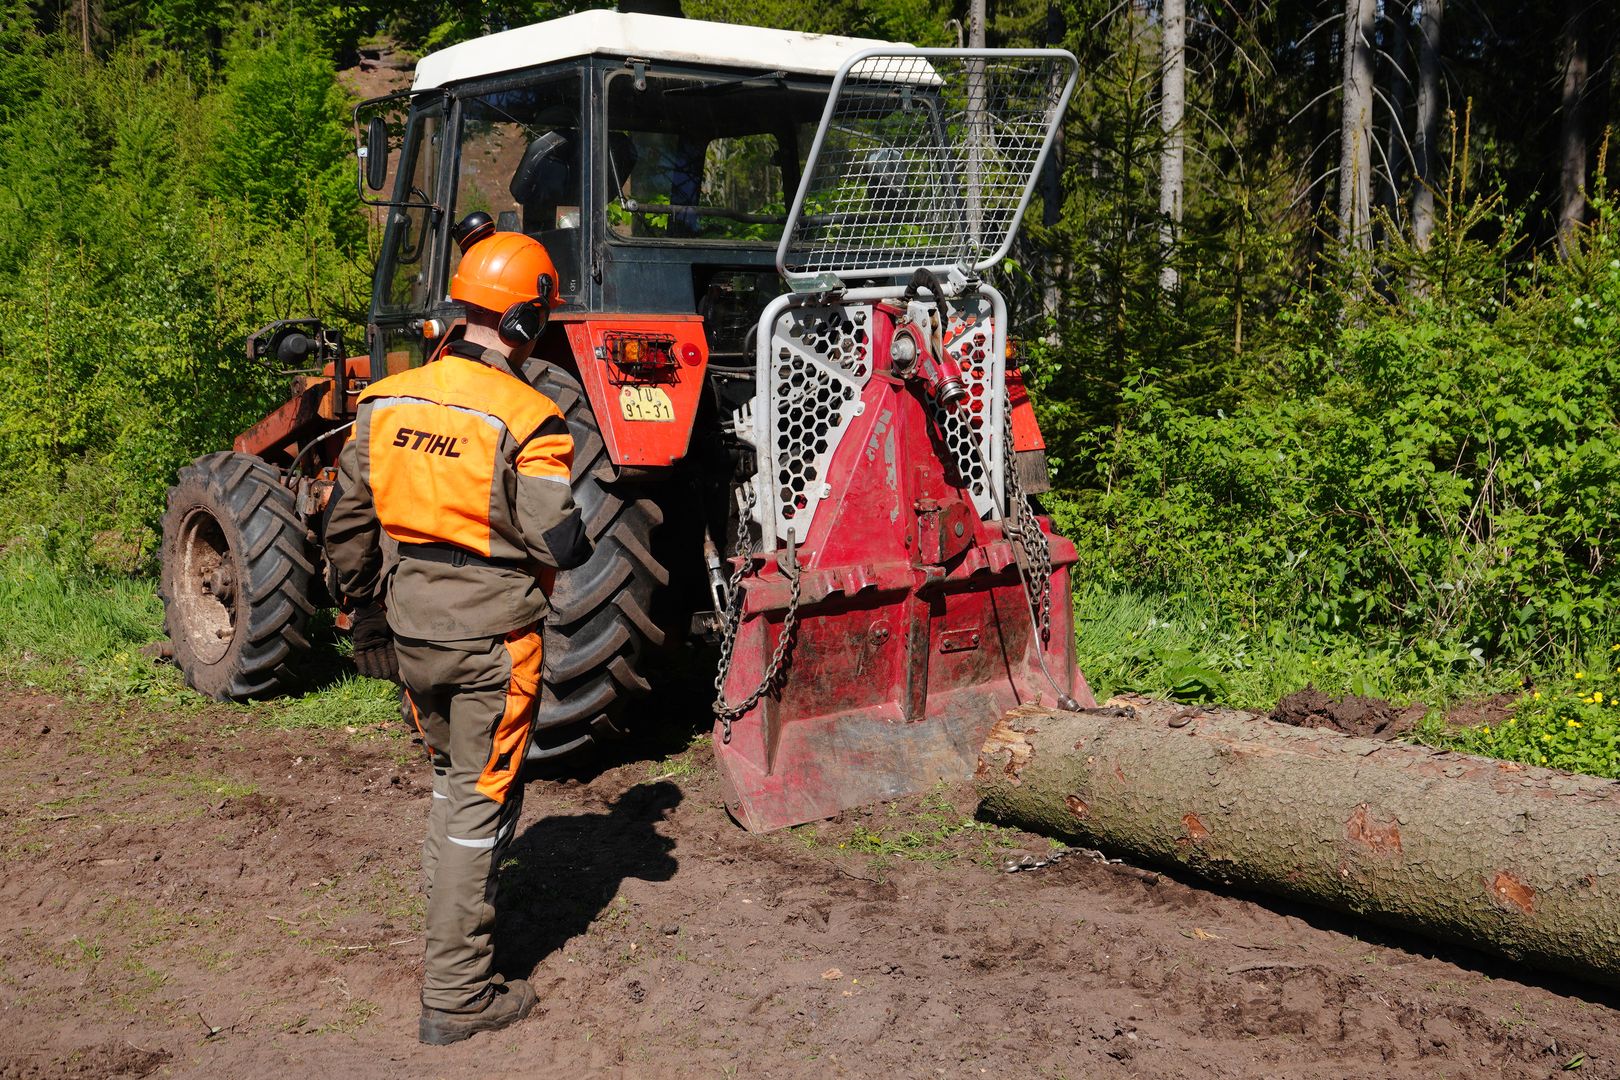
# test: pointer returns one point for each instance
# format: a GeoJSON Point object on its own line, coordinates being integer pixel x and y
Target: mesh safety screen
{"type": "Point", "coordinates": [926, 159]}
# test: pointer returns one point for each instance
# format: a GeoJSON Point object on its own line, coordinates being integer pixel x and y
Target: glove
{"type": "Point", "coordinates": [374, 644]}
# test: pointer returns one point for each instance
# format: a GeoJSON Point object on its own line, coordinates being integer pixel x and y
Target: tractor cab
{"type": "Point", "coordinates": [655, 158]}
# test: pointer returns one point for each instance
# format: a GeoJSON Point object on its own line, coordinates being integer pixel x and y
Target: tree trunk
{"type": "Point", "coordinates": [977, 126]}
{"type": "Point", "coordinates": [1399, 13]}
{"type": "Point", "coordinates": [1505, 858]}
{"type": "Point", "coordinates": [1051, 188]}
{"type": "Point", "coordinates": [1172, 112]}
{"type": "Point", "coordinates": [1572, 133]}
{"type": "Point", "coordinates": [1425, 151]}
{"type": "Point", "coordinates": [1355, 145]}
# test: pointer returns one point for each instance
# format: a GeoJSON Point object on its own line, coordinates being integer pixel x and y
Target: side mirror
{"type": "Point", "coordinates": [376, 153]}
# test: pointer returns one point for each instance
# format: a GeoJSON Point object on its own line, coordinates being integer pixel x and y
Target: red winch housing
{"type": "Point", "coordinates": [914, 630]}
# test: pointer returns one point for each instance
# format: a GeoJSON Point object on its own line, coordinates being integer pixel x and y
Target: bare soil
{"type": "Point", "coordinates": [1368, 717]}
{"type": "Point", "coordinates": [199, 895]}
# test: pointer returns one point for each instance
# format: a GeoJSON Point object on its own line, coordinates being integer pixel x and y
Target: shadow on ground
{"type": "Point", "coordinates": [563, 872]}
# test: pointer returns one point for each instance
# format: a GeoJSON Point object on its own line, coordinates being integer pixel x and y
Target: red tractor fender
{"type": "Point", "coordinates": [644, 376]}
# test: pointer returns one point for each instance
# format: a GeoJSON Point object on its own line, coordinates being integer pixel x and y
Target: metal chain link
{"type": "Point", "coordinates": [1026, 532]}
{"type": "Point", "coordinates": [728, 714]}
{"type": "Point", "coordinates": [1026, 529]}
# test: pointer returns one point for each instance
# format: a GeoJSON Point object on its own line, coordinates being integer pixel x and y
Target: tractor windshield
{"type": "Point", "coordinates": [520, 165]}
{"type": "Point", "coordinates": [706, 159]}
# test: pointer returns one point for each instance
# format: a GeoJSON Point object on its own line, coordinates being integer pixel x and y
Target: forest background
{"type": "Point", "coordinates": [1320, 301]}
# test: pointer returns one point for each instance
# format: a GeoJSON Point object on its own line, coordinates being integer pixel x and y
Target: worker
{"type": "Point", "coordinates": [451, 515]}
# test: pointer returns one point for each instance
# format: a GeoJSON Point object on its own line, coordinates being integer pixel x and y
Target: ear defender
{"type": "Point", "coordinates": [469, 230]}
{"type": "Point", "coordinates": [523, 322]}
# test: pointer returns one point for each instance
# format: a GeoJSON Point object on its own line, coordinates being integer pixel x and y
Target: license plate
{"type": "Point", "coordinates": [646, 403]}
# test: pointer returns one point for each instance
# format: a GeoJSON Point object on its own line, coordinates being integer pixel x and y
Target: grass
{"type": "Point", "coordinates": [682, 762]}
{"type": "Point", "coordinates": [1132, 641]}
{"type": "Point", "coordinates": [1565, 716]}
{"type": "Point", "coordinates": [81, 636]}
{"type": "Point", "coordinates": [933, 830]}
{"type": "Point", "coordinates": [1568, 719]}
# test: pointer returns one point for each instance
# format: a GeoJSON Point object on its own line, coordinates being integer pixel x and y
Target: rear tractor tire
{"type": "Point", "coordinates": [236, 578]}
{"type": "Point", "coordinates": [601, 634]}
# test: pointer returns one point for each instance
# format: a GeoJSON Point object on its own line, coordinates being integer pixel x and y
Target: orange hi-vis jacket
{"type": "Point", "coordinates": [463, 468]}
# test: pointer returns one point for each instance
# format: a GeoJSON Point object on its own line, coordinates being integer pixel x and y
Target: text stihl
{"type": "Point", "coordinates": [427, 442]}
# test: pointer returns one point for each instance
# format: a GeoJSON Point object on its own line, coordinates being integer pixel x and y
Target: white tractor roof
{"type": "Point", "coordinates": [645, 37]}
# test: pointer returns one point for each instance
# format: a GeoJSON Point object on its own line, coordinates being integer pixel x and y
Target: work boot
{"type": "Point", "coordinates": [504, 1005]}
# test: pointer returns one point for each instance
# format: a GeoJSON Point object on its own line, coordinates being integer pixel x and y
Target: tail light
{"type": "Point", "coordinates": [641, 357]}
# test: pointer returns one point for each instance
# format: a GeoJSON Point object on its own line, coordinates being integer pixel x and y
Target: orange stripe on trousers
{"type": "Point", "coordinates": [512, 733]}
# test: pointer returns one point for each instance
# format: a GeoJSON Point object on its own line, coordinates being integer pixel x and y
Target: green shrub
{"type": "Point", "coordinates": [1568, 720]}
{"type": "Point", "coordinates": [137, 251]}
{"type": "Point", "coordinates": [1440, 466]}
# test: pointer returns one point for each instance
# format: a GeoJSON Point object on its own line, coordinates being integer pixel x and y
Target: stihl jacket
{"type": "Point", "coordinates": [462, 468]}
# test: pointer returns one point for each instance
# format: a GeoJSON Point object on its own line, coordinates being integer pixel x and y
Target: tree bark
{"type": "Point", "coordinates": [1051, 188]}
{"type": "Point", "coordinates": [977, 126]}
{"type": "Point", "coordinates": [1505, 858]}
{"type": "Point", "coordinates": [1425, 151]}
{"type": "Point", "coordinates": [1355, 142]}
{"type": "Point", "coordinates": [1173, 156]}
{"type": "Point", "coordinates": [1572, 130]}
{"type": "Point", "coordinates": [1399, 14]}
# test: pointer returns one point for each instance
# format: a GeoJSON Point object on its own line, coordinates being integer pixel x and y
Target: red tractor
{"type": "Point", "coordinates": [798, 435]}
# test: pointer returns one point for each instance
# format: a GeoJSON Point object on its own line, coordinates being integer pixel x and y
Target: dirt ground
{"type": "Point", "coordinates": [196, 894]}
{"type": "Point", "coordinates": [1352, 714]}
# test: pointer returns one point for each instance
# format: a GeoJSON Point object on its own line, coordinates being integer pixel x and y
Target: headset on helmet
{"type": "Point", "coordinates": [506, 272]}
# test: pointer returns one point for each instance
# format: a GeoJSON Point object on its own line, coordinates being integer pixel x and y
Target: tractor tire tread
{"type": "Point", "coordinates": [599, 635]}
{"type": "Point", "coordinates": [258, 519]}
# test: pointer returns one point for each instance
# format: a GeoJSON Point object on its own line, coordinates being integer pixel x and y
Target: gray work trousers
{"type": "Point", "coordinates": [473, 702]}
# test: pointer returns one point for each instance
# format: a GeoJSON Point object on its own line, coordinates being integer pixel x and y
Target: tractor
{"type": "Point", "coordinates": [801, 439]}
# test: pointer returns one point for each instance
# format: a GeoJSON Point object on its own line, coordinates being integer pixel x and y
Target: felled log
{"type": "Point", "coordinates": [1505, 858]}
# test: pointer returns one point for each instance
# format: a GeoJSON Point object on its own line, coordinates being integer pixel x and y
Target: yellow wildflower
{"type": "Point", "coordinates": [1546, 738]}
{"type": "Point", "coordinates": [1544, 759]}
{"type": "Point", "coordinates": [1536, 696]}
{"type": "Point", "coordinates": [1572, 723]}
{"type": "Point", "coordinates": [1486, 729]}
{"type": "Point", "coordinates": [1580, 674]}
{"type": "Point", "coordinates": [1597, 697]}
{"type": "Point", "coordinates": [1614, 648]}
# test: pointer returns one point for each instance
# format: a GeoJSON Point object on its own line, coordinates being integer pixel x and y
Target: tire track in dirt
{"type": "Point", "coordinates": [264, 884]}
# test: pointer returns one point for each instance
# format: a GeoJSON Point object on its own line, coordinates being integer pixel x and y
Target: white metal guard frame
{"type": "Point", "coordinates": [923, 158]}
{"type": "Point", "coordinates": [767, 418]}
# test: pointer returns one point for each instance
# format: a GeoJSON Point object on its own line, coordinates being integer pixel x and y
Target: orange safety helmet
{"type": "Point", "coordinates": [505, 272]}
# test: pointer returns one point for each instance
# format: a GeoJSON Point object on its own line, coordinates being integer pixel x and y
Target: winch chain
{"type": "Point", "coordinates": [732, 622]}
{"type": "Point", "coordinates": [1027, 530]}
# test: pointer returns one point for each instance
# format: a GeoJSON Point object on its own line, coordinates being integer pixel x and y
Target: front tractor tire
{"type": "Point", "coordinates": [602, 633]}
{"type": "Point", "coordinates": [236, 578]}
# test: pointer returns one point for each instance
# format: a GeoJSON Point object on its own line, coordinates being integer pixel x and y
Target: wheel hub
{"type": "Point", "coordinates": [206, 586]}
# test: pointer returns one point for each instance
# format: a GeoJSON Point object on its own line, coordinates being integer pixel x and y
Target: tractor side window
{"type": "Point", "coordinates": [520, 164]}
{"type": "Point", "coordinates": [407, 243]}
{"type": "Point", "coordinates": [706, 159]}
